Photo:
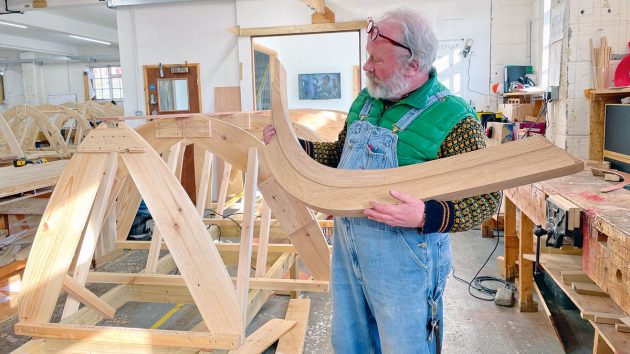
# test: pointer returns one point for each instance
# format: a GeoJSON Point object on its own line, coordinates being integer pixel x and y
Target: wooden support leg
{"type": "Point", "coordinates": [526, 269]}
{"type": "Point", "coordinates": [600, 346]}
{"type": "Point", "coordinates": [247, 233]}
{"type": "Point", "coordinates": [204, 182]}
{"type": "Point", "coordinates": [510, 243]}
{"type": "Point", "coordinates": [174, 158]}
{"type": "Point", "coordinates": [92, 230]}
{"type": "Point", "coordinates": [225, 182]}
{"type": "Point", "coordinates": [295, 274]}
{"type": "Point", "coordinates": [263, 241]}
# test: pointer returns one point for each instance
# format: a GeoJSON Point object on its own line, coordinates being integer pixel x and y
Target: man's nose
{"type": "Point", "coordinates": [368, 66]}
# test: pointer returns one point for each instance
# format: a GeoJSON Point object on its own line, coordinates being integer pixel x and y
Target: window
{"type": "Point", "coordinates": [108, 83]}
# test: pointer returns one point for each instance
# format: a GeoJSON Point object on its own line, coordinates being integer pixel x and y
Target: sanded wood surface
{"type": "Point", "coordinates": [292, 342]}
{"type": "Point", "coordinates": [58, 235]}
{"type": "Point", "coordinates": [265, 336]}
{"type": "Point", "coordinates": [348, 192]}
{"type": "Point", "coordinates": [231, 144]}
{"type": "Point", "coordinates": [184, 232]}
{"type": "Point", "coordinates": [14, 180]}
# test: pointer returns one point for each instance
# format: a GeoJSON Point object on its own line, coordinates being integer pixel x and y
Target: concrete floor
{"type": "Point", "coordinates": [471, 325]}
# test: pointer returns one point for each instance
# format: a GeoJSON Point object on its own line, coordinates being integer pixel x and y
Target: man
{"type": "Point", "coordinates": [389, 269]}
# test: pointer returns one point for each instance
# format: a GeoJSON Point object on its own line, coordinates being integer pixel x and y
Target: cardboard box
{"type": "Point", "coordinates": [516, 111]}
{"type": "Point", "coordinates": [499, 133]}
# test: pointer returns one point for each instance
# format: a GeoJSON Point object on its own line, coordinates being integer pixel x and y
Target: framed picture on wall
{"type": "Point", "coordinates": [321, 86]}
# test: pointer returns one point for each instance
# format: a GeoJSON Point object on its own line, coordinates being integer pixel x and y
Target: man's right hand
{"type": "Point", "coordinates": [268, 133]}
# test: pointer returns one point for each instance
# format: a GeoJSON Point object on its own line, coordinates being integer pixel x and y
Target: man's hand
{"type": "Point", "coordinates": [268, 133]}
{"type": "Point", "coordinates": [408, 213]}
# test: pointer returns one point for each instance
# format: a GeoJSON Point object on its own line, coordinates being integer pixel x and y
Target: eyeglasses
{"type": "Point", "coordinates": [372, 30]}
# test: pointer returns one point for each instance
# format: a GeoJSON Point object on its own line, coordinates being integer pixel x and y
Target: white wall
{"type": "Point", "coordinates": [173, 34]}
{"type": "Point", "coordinates": [196, 32]}
{"type": "Point", "coordinates": [317, 53]}
{"type": "Point", "coordinates": [13, 85]}
{"type": "Point", "coordinates": [454, 19]}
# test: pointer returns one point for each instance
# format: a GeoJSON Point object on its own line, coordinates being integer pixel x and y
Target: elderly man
{"type": "Point", "coordinates": [389, 269]}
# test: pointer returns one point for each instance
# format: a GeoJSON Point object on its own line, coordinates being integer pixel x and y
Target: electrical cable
{"type": "Point", "coordinates": [477, 281]}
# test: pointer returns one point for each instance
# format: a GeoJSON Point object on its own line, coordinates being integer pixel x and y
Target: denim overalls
{"type": "Point", "coordinates": [387, 282]}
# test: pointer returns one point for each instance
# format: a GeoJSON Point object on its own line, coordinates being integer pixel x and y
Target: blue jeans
{"type": "Point", "coordinates": [384, 280]}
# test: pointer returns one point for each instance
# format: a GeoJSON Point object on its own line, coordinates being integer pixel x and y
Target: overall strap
{"type": "Point", "coordinates": [414, 113]}
{"type": "Point", "coordinates": [365, 110]}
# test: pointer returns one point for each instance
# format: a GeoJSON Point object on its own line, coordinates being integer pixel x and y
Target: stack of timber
{"type": "Point", "coordinates": [600, 59]}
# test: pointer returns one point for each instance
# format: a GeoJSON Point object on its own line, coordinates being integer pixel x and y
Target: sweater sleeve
{"type": "Point", "coordinates": [327, 153]}
{"type": "Point", "coordinates": [464, 214]}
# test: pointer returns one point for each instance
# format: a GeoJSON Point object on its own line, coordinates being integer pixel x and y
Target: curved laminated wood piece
{"type": "Point", "coordinates": [625, 179]}
{"type": "Point", "coordinates": [348, 192]}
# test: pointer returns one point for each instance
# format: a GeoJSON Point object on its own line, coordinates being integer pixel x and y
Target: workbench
{"type": "Point", "coordinates": [605, 224]}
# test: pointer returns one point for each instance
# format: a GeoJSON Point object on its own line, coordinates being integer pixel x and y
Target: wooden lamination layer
{"type": "Point", "coordinates": [348, 192]}
{"type": "Point", "coordinates": [15, 180]}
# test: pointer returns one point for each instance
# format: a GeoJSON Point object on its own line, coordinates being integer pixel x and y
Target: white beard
{"type": "Point", "coordinates": [391, 89]}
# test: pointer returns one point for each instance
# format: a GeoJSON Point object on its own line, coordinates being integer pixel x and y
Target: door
{"type": "Point", "coordinates": [171, 89]}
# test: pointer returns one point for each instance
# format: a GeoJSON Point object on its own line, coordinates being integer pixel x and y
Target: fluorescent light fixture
{"type": "Point", "coordinates": [89, 39]}
{"type": "Point", "coordinates": [12, 24]}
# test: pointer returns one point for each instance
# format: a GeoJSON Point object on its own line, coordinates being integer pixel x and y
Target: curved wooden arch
{"type": "Point", "coordinates": [348, 192]}
{"type": "Point", "coordinates": [231, 144]}
{"type": "Point", "coordinates": [21, 119]}
{"type": "Point", "coordinates": [80, 198]}
{"type": "Point", "coordinates": [7, 137]}
{"type": "Point", "coordinates": [326, 123]}
{"type": "Point", "coordinates": [254, 123]}
{"type": "Point", "coordinates": [81, 125]}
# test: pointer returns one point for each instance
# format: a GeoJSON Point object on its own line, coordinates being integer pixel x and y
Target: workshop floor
{"type": "Point", "coordinates": [472, 326]}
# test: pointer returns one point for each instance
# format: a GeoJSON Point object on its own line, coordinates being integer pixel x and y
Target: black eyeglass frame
{"type": "Point", "coordinates": [374, 33]}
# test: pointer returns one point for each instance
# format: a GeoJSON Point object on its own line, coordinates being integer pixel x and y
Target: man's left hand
{"type": "Point", "coordinates": [408, 213]}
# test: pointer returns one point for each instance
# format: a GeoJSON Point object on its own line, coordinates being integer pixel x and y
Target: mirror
{"type": "Point", "coordinates": [173, 95]}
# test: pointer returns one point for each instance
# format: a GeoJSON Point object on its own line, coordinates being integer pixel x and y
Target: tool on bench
{"type": "Point", "coordinates": [562, 227]}
{"type": "Point", "coordinates": [625, 179]}
{"type": "Point", "coordinates": [24, 161]}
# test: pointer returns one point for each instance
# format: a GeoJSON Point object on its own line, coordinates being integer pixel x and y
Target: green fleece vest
{"type": "Point", "coordinates": [422, 139]}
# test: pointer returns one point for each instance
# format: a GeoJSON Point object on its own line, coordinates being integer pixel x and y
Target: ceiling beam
{"type": "Point", "coordinates": [63, 25]}
{"type": "Point", "coordinates": [34, 45]}
{"type": "Point", "coordinates": [27, 5]}
{"type": "Point", "coordinates": [298, 29]}
{"type": "Point", "coordinates": [318, 6]}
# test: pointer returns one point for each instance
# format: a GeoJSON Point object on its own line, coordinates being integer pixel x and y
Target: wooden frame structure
{"type": "Point", "coordinates": [348, 192]}
{"type": "Point", "coordinates": [26, 122]}
{"type": "Point", "coordinates": [71, 224]}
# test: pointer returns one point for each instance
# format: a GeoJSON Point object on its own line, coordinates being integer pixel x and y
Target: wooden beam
{"type": "Point", "coordinates": [348, 192]}
{"type": "Point", "coordinates": [264, 337]}
{"type": "Point", "coordinates": [327, 17]}
{"type": "Point", "coordinates": [58, 236]}
{"type": "Point", "coordinates": [80, 293]}
{"type": "Point", "coordinates": [222, 247]}
{"type": "Point", "coordinates": [292, 342]}
{"type": "Point", "coordinates": [301, 29]}
{"type": "Point", "coordinates": [91, 233]}
{"type": "Point", "coordinates": [318, 6]}
{"type": "Point", "coordinates": [247, 233]}
{"type": "Point", "coordinates": [178, 280]}
{"type": "Point", "coordinates": [123, 335]}
{"type": "Point", "coordinates": [196, 258]}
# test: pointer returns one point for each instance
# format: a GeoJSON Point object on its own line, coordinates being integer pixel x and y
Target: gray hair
{"type": "Point", "coordinates": [417, 34]}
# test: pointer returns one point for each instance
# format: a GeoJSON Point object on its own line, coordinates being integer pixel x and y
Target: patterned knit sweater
{"type": "Point", "coordinates": [450, 216]}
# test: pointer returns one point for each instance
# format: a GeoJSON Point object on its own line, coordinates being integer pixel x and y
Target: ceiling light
{"type": "Point", "coordinates": [89, 39]}
{"type": "Point", "coordinates": [12, 24]}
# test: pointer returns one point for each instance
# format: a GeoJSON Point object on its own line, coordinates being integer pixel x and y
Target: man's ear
{"type": "Point", "coordinates": [413, 67]}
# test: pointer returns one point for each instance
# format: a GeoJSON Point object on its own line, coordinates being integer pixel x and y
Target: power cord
{"type": "Point", "coordinates": [477, 281]}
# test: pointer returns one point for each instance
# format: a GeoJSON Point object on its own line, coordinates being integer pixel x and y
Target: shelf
{"type": "Point", "coordinates": [554, 265]}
